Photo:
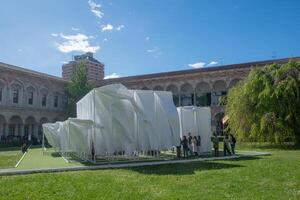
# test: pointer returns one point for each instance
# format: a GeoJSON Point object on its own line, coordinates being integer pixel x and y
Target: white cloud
{"type": "Point", "coordinates": [197, 65]}
{"type": "Point", "coordinates": [54, 34]}
{"type": "Point", "coordinates": [212, 63]}
{"type": "Point", "coordinates": [75, 29]}
{"type": "Point", "coordinates": [95, 8]}
{"type": "Point", "coordinates": [147, 38]}
{"type": "Point", "coordinates": [107, 27]}
{"type": "Point", "coordinates": [20, 50]}
{"type": "Point", "coordinates": [153, 50]}
{"type": "Point", "coordinates": [105, 40]}
{"type": "Point", "coordinates": [78, 42]}
{"type": "Point", "coordinates": [118, 28]}
{"type": "Point", "coordinates": [113, 75]}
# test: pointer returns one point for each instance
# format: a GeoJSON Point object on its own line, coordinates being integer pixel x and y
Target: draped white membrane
{"type": "Point", "coordinates": [197, 121]}
{"type": "Point", "coordinates": [123, 121]}
{"type": "Point", "coordinates": [72, 135]}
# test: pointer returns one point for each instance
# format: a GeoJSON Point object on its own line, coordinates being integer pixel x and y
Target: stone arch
{"type": "Point", "coordinates": [2, 90]}
{"type": "Point", "coordinates": [56, 99]}
{"type": "Point", "coordinates": [16, 92]}
{"type": "Point", "coordinates": [15, 126]}
{"type": "Point", "coordinates": [42, 121]}
{"type": "Point", "coordinates": [203, 94]}
{"type": "Point", "coordinates": [203, 87]}
{"type": "Point", "coordinates": [219, 85]}
{"type": "Point", "coordinates": [30, 128]}
{"type": "Point", "coordinates": [30, 94]}
{"type": "Point", "coordinates": [219, 90]}
{"type": "Point", "coordinates": [158, 88]}
{"type": "Point", "coordinates": [175, 92]}
{"type": "Point", "coordinates": [187, 94]}
{"type": "Point", "coordinates": [234, 82]}
{"type": "Point", "coordinates": [44, 96]}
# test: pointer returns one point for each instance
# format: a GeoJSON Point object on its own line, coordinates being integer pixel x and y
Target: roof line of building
{"type": "Point", "coordinates": [31, 72]}
{"type": "Point", "coordinates": [205, 69]}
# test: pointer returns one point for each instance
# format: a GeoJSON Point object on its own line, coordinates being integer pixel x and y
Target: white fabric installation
{"type": "Point", "coordinates": [130, 120]}
{"type": "Point", "coordinates": [72, 135]}
{"type": "Point", "coordinates": [197, 121]}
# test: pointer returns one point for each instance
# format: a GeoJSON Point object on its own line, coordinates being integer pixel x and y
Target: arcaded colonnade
{"type": "Point", "coordinates": [27, 100]}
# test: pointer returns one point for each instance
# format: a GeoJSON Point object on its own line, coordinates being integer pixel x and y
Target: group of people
{"type": "Point", "coordinates": [190, 145]}
{"type": "Point", "coordinates": [229, 143]}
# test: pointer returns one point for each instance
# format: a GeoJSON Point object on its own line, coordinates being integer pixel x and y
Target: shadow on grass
{"type": "Point", "coordinates": [267, 145]}
{"type": "Point", "coordinates": [183, 168]}
{"type": "Point", "coordinates": [245, 158]}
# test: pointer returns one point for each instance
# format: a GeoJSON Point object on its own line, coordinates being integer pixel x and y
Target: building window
{"type": "Point", "coordinates": [203, 99]}
{"type": "Point", "coordinates": [15, 96]}
{"type": "Point", "coordinates": [30, 98]}
{"type": "Point", "coordinates": [0, 94]}
{"type": "Point", "coordinates": [44, 100]}
{"type": "Point", "coordinates": [55, 101]}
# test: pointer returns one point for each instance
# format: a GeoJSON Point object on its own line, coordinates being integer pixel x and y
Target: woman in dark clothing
{"type": "Point", "coordinates": [226, 146]}
{"type": "Point", "coordinates": [232, 143]}
{"type": "Point", "coordinates": [198, 144]}
{"type": "Point", "coordinates": [184, 143]}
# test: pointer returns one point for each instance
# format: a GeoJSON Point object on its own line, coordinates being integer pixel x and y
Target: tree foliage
{"type": "Point", "coordinates": [77, 88]}
{"type": "Point", "coordinates": [266, 105]}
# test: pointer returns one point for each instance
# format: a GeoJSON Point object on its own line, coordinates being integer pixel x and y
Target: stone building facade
{"type": "Point", "coordinates": [197, 87]}
{"type": "Point", "coordinates": [27, 100]}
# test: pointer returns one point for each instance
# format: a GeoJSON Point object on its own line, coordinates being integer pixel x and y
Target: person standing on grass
{"type": "Point", "coordinates": [198, 144]}
{"type": "Point", "coordinates": [185, 146]}
{"type": "Point", "coordinates": [190, 143]}
{"type": "Point", "coordinates": [215, 141]}
{"type": "Point", "coordinates": [226, 145]}
{"type": "Point", "coordinates": [194, 145]}
{"type": "Point", "coordinates": [232, 143]}
{"type": "Point", "coordinates": [24, 148]}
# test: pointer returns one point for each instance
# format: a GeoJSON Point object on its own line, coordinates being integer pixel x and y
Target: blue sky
{"type": "Point", "coordinates": [147, 36]}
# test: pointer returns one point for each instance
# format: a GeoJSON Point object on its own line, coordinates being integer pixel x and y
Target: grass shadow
{"type": "Point", "coordinates": [183, 168]}
{"type": "Point", "coordinates": [245, 158]}
{"type": "Point", "coordinates": [268, 145]}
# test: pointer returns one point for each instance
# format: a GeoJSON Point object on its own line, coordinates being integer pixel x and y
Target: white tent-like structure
{"type": "Point", "coordinates": [113, 119]}
{"type": "Point", "coordinates": [71, 136]}
{"type": "Point", "coordinates": [130, 120]}
{"type": "Point", "coordinates": [197, 121]}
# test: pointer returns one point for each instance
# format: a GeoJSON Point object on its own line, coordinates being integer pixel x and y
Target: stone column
{"type": "Point", "coordinates": [22, 129]}
{"type": "Point", "coordinates": [195, 98]}
{"type": "Point", "coordinates": [6, 129]}
{"type": "Point", "coordinates": [179, 94]}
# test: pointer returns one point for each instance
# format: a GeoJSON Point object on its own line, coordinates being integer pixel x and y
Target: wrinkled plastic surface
{"type": "Point", "coordinates": [197, 121]}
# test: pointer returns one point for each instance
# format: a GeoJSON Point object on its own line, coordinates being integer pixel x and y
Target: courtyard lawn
{"type": "Point", "coordinates": [9, 157]}
{"type": "Point", "coordinates": [266, 177]}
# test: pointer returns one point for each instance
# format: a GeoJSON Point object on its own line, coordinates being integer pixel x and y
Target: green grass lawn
{"type": "Point", "coordinates": [267, 177]}
{"type": "Point", "coordinates": [9, 157]}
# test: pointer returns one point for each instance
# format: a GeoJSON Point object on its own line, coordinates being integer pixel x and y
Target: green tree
{"type": "Point", "coordinates": [77, 88]}
{"type": "Point", "coordinates": [266, 105]}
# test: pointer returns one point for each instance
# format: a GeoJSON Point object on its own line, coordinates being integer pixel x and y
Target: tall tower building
{"type": "Point", "coordinates": [95, 69]}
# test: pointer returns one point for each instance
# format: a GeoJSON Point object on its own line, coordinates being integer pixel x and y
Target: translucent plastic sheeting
{"type": "Point", "coordinates": [130, 120]}
{"type": "Point", "coordinates": [51, 132]}
{"type": "Point", "coordinates": [72, 135]}
{"type": "Point", "coordinates": [197, 121]}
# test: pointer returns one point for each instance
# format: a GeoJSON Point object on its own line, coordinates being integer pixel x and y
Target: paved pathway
{"type": "Point", "coordinates": [15, 171]}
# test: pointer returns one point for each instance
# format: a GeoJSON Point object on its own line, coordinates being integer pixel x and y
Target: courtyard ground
{"type": "Point", "coordinates": [267, 177]}
{"type": "Point", "coordinates": [9, 157]}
